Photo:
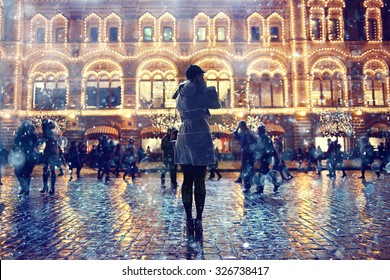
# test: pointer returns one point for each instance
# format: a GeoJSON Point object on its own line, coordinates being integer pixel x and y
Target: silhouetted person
{"type": "Point", "coordinates": [23, 156]}
{"type": "Point", "coordinates": [265, 151]}
{"type": "Point", "coordinates": [282, 167]}
{"type": "Point", "coordinates": [107, 152]}
{"type": "Point", "coordinates": [117, 159]}
{"type": "Point", "coordinates": [247, 140]}
{"type": "Point", "coordinates": [168, 147]}
{"type": "Point", "coordinates": [50, 155]}
{"type": "Point", "coordinates": [367, 156]}
{"type": "Point", "coordinates": [130, 161]}
{"type": "Point", "coordinates": [74, 160]}
{"type": "Point", "coordinates": [194, 149]}
{"type": "Point", "coordinates": [83, 155]}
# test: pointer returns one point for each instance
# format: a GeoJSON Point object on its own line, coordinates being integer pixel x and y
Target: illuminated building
{"type": "Point", "coordinates": [106, 65]}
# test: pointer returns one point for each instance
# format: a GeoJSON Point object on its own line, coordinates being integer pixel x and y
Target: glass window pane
{"type": "Point", "coordinates": [326, 92]}
{"type": "Point", "coordinates": [60, 99]}
{"type": "Point", "coordinates": [115, 96]}
{"type": "Point", "coordinates": [201, 33]}
{"type": "Point", "coordinates": [60, 35]}
{"type": "Point", "coordinates": [158, 93]}
{"type": "Point", "coordinates": [274, 32]}
{"type": "Point", "coordinates": [334, 29]}
{"type": "Point", "coordinates": [316, 92]}
{"type": "Point", "coordinates": [170, 87]}
{"type": "Point", "coordinates": [316, 28]}
{"type": "Point", "coordinates": [91, 96]}
{"type": "Point", "coordinates": [114, 34]}
{"type": "Point", "coordinates": [148, 34]}
{"type": "Point", "coordinates": [221, 33]}
{"type": "Point", "coordinates": [167, 34]}
{"type": "Point", "coordinates": [103, 97]}
{"type": "Point", "coordinates": [93, 34]}
{"type": "Point", "coordinates": [145, 93]}
{"type": "Point", "coordinates": [378, 93]}
{"type": "Point", "coordinates": [224, 87]}
{"type": "Point", "coordinates": [277, 91]}
{"type": "Point", "coordinates": [38, 87]}
{"type": "Point", "coordinates": [40, 39]}
{"type": "Point", "coordinates": [255, 33]}
{"type": "Point", "coordinates": [265, 92]}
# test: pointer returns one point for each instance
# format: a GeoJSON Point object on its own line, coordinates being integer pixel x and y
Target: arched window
{"type": "Point", "coordinates": [59, 29]}
{"type": "Point", "coordinates": [103, 91]}
{"type": "Point", "coordinates": [49, 93]}
{"type": "Point", "coordinates": [156, 90]}
{"type": "Point", "coordinates": [374, 90]}
{"type": "Point", "coordinates": [201, 26]}
{"type": "Point", "coordinates": [255, 25]}
{"type": "Point", "coordinates": [222, 84]}
{"type": "Point", "coordinates": [328, 90]}
{"type": "Point", "coordinates": [266, 90]}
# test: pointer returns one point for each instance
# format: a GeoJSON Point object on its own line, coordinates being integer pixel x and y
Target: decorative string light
{"type": "Point", "coordinates": [336, 123]}
{"type": "Point", "coordinates": [166, 120]}
{"type": "Point", "coordinates": [60, 122]}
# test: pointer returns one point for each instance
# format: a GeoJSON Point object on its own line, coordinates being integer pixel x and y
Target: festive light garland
{"type": "Point", "coordinates": [336, 123]}
{"type": "Point", "coordinates": [165, 121]}
{"type": "Point", "coordinates": [60, 122]}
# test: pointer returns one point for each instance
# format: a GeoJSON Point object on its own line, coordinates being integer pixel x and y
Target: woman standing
{"type": "Point", "coordinates": [194, 146]}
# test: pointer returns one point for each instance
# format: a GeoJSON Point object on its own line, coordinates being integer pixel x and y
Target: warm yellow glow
{"type": "Point", "coordinates": [221, 17]}
{"type": "Point", "coordinates": [240, 114]}
{"type": "Point", "coordinates": [58, 21]}
{"type": "Point", "coordinates": [92, 20]}
{"type": "Point", "coordinates": [146, 20]}
{"type": "Point", "coordinates": [255, 20]}
{"type": "Point", "coordinates": [201, 19]}
{"type": "Point", "coordinates": [167, 19]}
{"type": "Point", "coordinates": [72, 116]}
{"type": "Point", "coordinates": [112, 20]}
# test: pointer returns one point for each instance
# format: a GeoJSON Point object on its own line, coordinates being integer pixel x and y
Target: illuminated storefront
{"type": "Point", "coordinates": [114, 63]}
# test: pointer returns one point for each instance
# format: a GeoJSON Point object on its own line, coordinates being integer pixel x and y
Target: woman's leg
{"type": "Point", "coordinates": [186, 188]}
{"type": "Point", "coordinates": [200, 190]}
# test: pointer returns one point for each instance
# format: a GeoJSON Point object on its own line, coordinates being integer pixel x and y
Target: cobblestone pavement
{"type": "Point", "coordinates": [313, 217]}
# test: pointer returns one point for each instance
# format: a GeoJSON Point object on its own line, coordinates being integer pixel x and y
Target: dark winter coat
{"type": "Point", "coordinates": [24, 157]}
{"type": "Point", "coordinates": [194, 143]}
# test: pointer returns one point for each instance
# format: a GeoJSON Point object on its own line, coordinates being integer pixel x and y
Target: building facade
{"type": "Point", "coordinates": [110, 66]}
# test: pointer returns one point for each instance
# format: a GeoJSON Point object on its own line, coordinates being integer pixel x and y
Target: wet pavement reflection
{"type": "Point", "coordinates": [312, 217]}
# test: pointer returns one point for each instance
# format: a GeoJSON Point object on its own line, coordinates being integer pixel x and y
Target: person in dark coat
{"type": "Point", "coordinates": [23, 157]}
{"type": "Point", "coordinates": [247, 140]}
{"type": "Point", "coordinates": [3, 159]}
{"type": "Point", "coordinates": [367, 156]}
{"type": "Point", "coordinates": [50, 155]}
{"type": "Point", "coordinates": [107, 152]}
{"type": "Point", "coordinates": [99, 156]}
{"type": "Point", "coordinates": [282, 167]}
{"type": "Point", "coordinates": [167, 147]}
{"type": "Point", "coordinates": [265, 151]}
{"type": "Point", "coordinates": [83, 156]}
{"type": "Point", "coordinates": [74, 160]}
{"type": "Point", "coordinates": [194, 149]}
{"type": "Point", "coordinates": [129, 161]}
{"type": "Point", "coordinates": [117, 159]}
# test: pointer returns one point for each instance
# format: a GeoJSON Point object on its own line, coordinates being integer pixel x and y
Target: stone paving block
{"type": "Point", "coordinates": [311, 218]}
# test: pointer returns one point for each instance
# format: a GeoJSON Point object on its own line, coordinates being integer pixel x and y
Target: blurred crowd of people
{"type": "Point", "coordinates": [109, 158]}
